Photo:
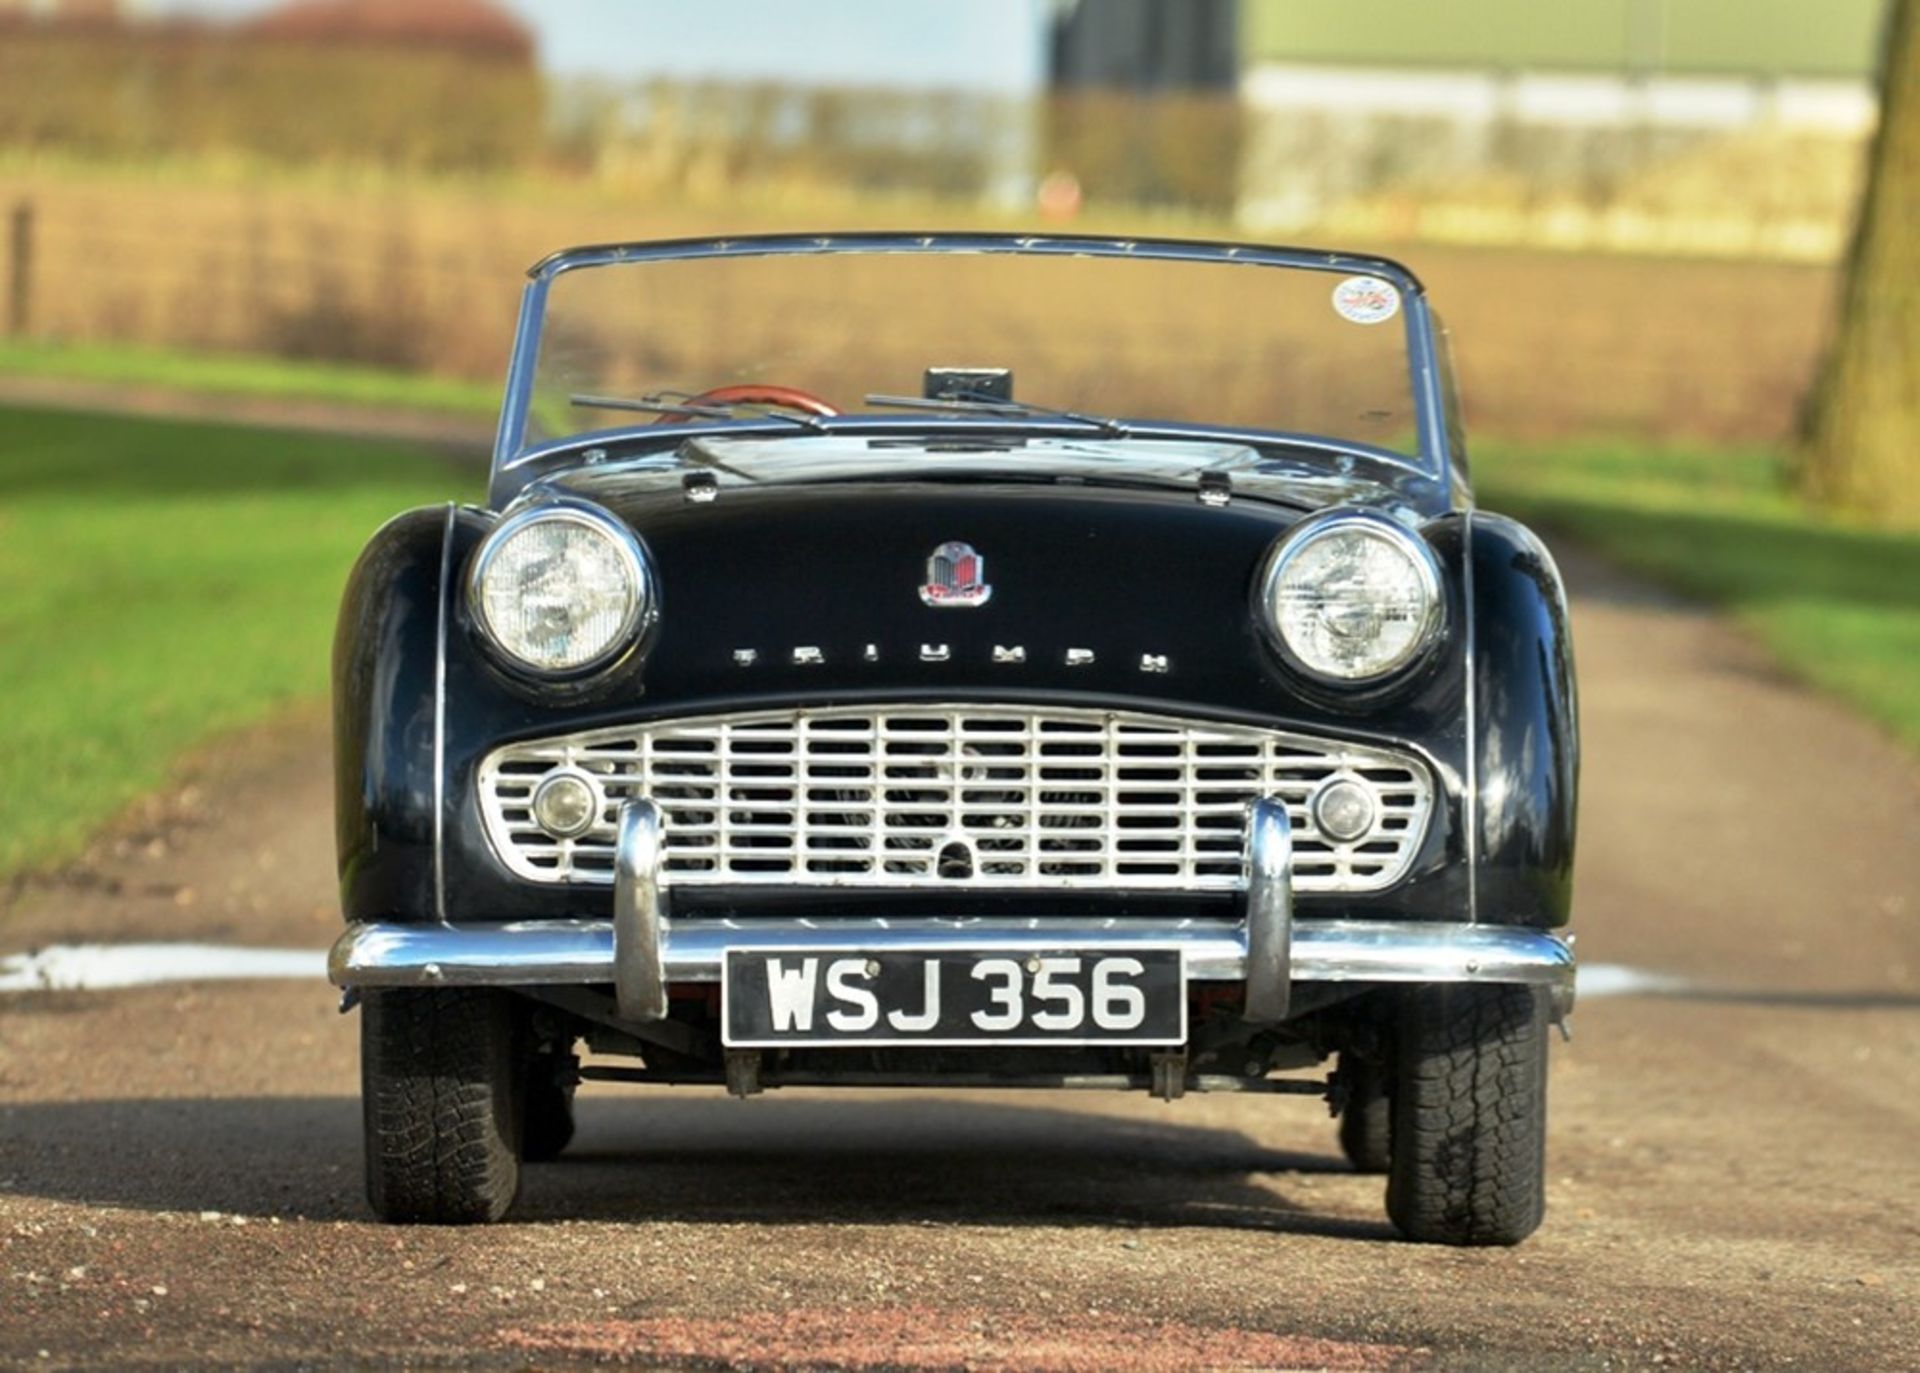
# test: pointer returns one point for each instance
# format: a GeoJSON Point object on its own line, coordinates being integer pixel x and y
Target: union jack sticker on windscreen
{"type": "Point", "coordinates": [1366, 300]}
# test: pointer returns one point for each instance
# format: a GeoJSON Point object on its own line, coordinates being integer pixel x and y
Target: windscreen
{"type": "Point", "coordinates": [1282, 349]}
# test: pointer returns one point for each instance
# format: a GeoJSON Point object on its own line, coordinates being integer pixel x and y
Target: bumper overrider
{"type": "Point", "coordinates": [642, 950]}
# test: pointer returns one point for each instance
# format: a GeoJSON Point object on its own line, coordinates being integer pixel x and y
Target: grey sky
{"type": "Point", "coordinates": [981, 44]}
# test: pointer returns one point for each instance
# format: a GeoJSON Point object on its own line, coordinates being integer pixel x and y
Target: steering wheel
{"type": "Point", "coordinates": [755, 393]}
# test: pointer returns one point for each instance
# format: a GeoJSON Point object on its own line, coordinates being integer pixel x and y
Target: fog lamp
{"type": "Point", "coordinates": [566, 805]}
{"type": "Point", "coordinates": [1343, 810]}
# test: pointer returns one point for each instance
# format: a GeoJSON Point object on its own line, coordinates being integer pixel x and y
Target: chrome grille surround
{"type": "Point", "coordinates": [956, 797]}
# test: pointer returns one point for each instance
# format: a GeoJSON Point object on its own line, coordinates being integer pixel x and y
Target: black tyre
{"type": "Point", "coordinates": [1364, 1120]}
{"type": "Point", "coordinates": [1469, 1115]}
{"type": "Point", "coordinates": [440, 1096]}
{"type": "Point", "coordinates": [547, 1126]}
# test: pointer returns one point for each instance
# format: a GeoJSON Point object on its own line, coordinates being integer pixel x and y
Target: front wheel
{"type": "Point", "coordinates": [1469, 1115]}
{"type": "Point", "coordinates": [441, 1099]}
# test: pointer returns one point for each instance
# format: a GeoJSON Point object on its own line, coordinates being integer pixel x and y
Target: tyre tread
{"type": "Point", "coordinates": [439, 1102]}
{"type": "Point", "coordinates": [1469, 1164]}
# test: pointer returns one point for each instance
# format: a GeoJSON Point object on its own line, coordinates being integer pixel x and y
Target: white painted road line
{"type": "Point", "coordinates": [1617, 979]}
{"type": "Point", "coordinates": [99, 967]}
{"type": "Point", "coordinates": [103, 967]}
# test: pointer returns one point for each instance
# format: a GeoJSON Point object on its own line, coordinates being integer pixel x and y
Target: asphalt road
{"type": "Point", "coordinates": [1733, 1163]}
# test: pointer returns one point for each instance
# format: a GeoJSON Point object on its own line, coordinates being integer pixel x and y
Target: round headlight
{"type": "Point", "coordinates": [1352, 596]}
{"type": "Point", "coordinates": [561, 589]}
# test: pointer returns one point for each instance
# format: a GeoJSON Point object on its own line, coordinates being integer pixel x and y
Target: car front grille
{"type": "Point", "coordinates": [946, 797]}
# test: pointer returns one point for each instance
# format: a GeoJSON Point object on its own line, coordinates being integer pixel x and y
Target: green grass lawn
{"type": "Point", "coordinates": [166, 581]}
{"type": "Point", "coordinates": [246, 375]}
{"type": "Point", "coordinates": [1837, 602]}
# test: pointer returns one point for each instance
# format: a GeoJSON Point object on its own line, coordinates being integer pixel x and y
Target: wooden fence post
{"type": "Point", "coordinates": [20, 270]}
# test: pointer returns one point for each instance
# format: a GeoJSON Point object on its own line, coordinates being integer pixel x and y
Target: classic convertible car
{"type": "Point", "coordinates": [962, 661]}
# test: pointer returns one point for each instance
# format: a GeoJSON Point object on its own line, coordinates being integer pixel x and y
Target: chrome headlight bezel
{"type": "Point", "coordinates": [642, 609]}
{"type": "Point", "coordinates": [1369, 524]}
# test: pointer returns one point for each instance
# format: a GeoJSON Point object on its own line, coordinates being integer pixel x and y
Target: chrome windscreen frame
{"type": "Point", "coordinates": [515, 463]}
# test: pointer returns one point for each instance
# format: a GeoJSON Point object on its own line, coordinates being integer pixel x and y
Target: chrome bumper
{"type": "Point", "coordinates": [641, 950]}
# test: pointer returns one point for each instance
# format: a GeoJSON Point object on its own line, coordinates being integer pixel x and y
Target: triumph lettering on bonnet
{"type": "Point", "coordinates": [999, 655]}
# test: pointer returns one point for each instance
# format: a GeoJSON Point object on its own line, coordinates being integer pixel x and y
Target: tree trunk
{"type": "Point", "coordinates": [1863, 437]}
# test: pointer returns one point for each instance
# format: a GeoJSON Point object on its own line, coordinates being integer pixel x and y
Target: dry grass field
{"type": "Point", "coordinates": [423, 275]}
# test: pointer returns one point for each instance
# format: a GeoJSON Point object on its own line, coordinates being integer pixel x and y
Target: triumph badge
{"type": "Point", "coordinates": [956, 576]}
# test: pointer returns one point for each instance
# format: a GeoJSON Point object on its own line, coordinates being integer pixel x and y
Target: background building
{"type": "Point", "coordinates": [1145, 45]}
{"type": "Point", "coordinates": [1142, 106]}
{"type": "Point", "coordinates": [1702, 124]}
{"type": "Point", "coordinates": [450, 84]}
{"type": "Point", "coordinates": [473, 27]}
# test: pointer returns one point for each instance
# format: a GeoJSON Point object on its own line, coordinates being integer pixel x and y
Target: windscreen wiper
{"type": "Point", "coordinates": [978, 403]}
{"type": "Point", "coordinates": [673, 403]}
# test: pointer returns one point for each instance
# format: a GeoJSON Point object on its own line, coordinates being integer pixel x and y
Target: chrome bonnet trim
{"type": "Point", "coordinates": [1471, 809]}
{"type": "Point", "coordinates": [440, 715]}
{"type": "Point", "coordinates": [560, 952]}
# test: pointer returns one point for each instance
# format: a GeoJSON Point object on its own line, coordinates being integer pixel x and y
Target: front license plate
{"type": "Point", "coordinates": [779, 998]}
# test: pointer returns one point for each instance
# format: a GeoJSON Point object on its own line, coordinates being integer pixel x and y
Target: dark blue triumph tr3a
{"type": "Point", "coordinates": [962, 661]}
